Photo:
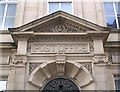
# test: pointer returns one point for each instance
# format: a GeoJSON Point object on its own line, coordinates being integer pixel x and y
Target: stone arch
{"type": "Point", "coordinates": [48, 70]}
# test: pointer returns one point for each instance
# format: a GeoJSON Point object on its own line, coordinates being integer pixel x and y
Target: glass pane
{"type": "Point", "coordinates": [53, 7]}
{"type": "Point", "coordinates": [117, 84]}
{"type": "Point", "coordinates": [2, 9]}
{"type": "Point", "coordinates": [1, 20]}
{"type": "Point", "coordinates": [111, 22]}
{"type": "Point", "coordinates": [66, 7]}
{"type": "Point", "coordinates": [119, 21]}
{"type": "Point", "coordinates": [12, 0]}
{"type": "Point", "coordinates": [109, 10]}
{"type": "Point", "coordinates": [11, 10]}
{"type": "Point", "coordinates": [9, 23]}
{"type": "Point", "coordinates": [3, 85]}
{"type": "Point", "coordinates": [117, 5]}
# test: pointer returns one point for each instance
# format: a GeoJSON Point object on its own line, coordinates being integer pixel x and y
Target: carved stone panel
{"type": "Point", "coordinates": [87, 65]}
{"type": "Point", "coordinates": [32, 67]}
{"type": "Point", "coordinates": [61, 47]}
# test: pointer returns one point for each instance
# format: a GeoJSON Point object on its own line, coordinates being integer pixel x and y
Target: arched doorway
{"type": "Point", "coordinates": [60, 85]}
{"type": "Point", "coordinates": [48, 70]}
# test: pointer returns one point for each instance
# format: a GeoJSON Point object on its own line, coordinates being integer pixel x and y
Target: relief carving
{"type": "Point", "coordinates": [100, 59]}
{"type": "Point", "coordinates": [20, 60]}
{"type": "Point", "coordinates": [60, 38]}
{"type": "Point", "coordinates": [87, 65]}
{"type": "Point", "coordinates": [32, 67]}
{"type": "Point", "coordinates": [67, 27]}
{"type": "Point", "coordinates": [60, 48]}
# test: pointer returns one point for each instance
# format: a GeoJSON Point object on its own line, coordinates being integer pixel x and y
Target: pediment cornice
{"type": "Point", "coordinates": [56, 19]}
{"type": "Point", "coordinates": [60, 24]}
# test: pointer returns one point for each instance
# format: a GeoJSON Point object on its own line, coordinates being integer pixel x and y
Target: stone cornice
{"type": "Point", "coordinates": [58, 15]}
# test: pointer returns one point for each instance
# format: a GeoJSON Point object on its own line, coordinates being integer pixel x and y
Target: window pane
{"type": "Point", "coordinates": [53, 7]}
{"type": "Point", "coordinates": [1, 20]}
{"type": "Point", "coordinates": [117, 84]}
{"type": "Point", "coordinates": [3, 85]}
{"type": "Point", "coordinates": [119, 20]}
{"type": "Point", "coordinates": [66, 7]}
{"type": "Point", "coordinates": [117, 5]}
{"type": "Point", "coordinates": [2, 9]}
{"type": "Point", "coordinates": [109, 10]}
{"type": "Point", "coordinates": [11, 10]}
{"type": "Point", "coordinates": [9, 23]}
{"type": "Point", "coordinates": [12, 0]}
{"type": "Point", "coordinates": [111, 22]}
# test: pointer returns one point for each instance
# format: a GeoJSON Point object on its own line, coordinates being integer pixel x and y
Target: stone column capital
{"type": "Point", "coordinates": [20, 59]}
{"type": "Point", "coordinates": [100, 59]}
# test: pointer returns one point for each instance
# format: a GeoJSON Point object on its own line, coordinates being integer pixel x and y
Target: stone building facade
{"type": "Point", "coordinates": [61, 50]}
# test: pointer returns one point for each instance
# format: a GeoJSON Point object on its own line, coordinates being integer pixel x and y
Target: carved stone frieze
{"type": "Point", "coordinates": [61, 38]}
{"type": "Point", "coordinates": [22, 37]}
{"type": "Point", "coordinates": [87, 65]}
{"type": "Point", "coordinates": [98, 36]}
{"type": "Point", "coordinates": [63, 28]}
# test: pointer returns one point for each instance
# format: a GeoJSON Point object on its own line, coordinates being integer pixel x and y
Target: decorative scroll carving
{"type": "Point", "coordinates": [87, 65]}
{"type": "Point", "coordinates": [29, 48]}
{"type": "Point", "coordinates": [100, 59]}
{"type": "Point", "coordinates": [60, 48]}
{"type": "Point", "coordinates": [110, 59]}
{"type": "Point", "coordinates": [91, 47]}
{"type": "Point", "coordinates": [32, 67]}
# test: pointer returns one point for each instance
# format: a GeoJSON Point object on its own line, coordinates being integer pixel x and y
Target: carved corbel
{"type": "Point", "coordinates": [60, 63]}
{"type": "Point", "coordinates": [20, 60]}
{"type": "Point", "coordinates": [100, 59]}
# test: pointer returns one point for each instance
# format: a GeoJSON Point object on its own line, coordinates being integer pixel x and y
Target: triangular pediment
{"type": "Point", "coordinates": [59, 22]}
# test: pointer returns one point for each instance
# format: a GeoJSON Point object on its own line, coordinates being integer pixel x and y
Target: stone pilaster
{"type": "Point", "coordinates": [20, 62]}
{"type": "Point", "coordinates": [11, 78]}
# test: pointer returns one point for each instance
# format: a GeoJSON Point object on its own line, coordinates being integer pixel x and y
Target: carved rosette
{"type": "Point", "coordinates": [100, 59]}
{"type": "Point", "coordinates": [60, 63]}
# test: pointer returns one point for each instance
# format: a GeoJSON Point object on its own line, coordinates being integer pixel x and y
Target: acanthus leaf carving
{"type": "Point", "coordinates": [20, 60]}
{"type": "Point", "coordinates": [100, 59]}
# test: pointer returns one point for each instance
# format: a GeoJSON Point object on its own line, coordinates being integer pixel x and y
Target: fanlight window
{"type": "Point", "coordinates": [60, 85]}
